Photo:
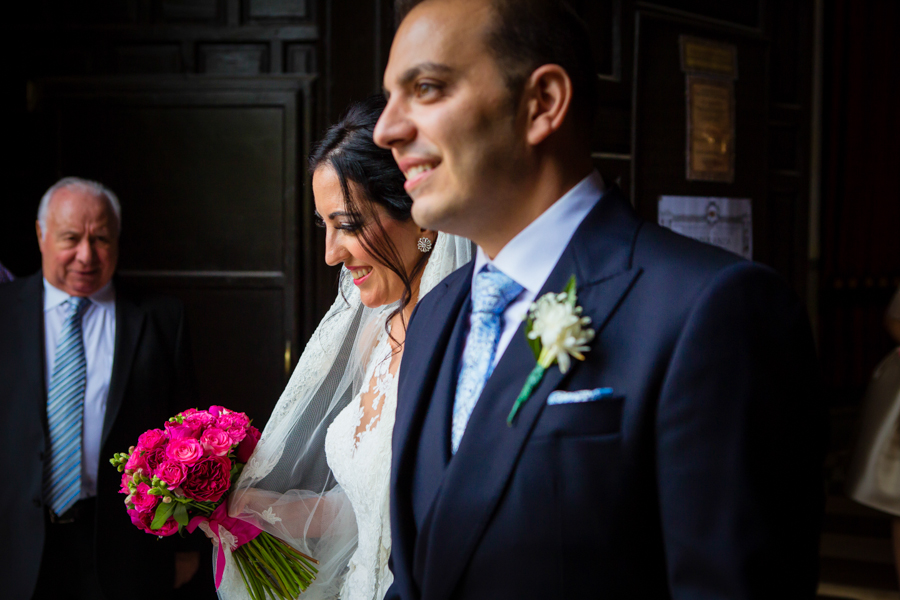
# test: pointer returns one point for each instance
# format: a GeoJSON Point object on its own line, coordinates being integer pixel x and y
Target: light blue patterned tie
{"type": "Point", "coordinates": [492, 291]}
{"type": "Point", "coordinates": [65, 412]}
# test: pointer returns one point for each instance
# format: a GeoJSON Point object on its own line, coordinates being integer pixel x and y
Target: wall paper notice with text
{"type": "Point", "coordinates": [723, 222]}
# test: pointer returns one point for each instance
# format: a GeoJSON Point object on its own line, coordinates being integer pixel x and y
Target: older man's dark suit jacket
{"type": "Point", "coordinates": [151, 381]}
{"type": "Point", "coordinates": [698, 478]}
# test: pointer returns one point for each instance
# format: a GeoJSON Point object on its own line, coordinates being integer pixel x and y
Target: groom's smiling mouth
{"type": "Point", "coordinates": [416, 171]}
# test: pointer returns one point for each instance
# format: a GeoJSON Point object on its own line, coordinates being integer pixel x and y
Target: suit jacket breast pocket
{"type": "Point", "coordinates": [602, 417]}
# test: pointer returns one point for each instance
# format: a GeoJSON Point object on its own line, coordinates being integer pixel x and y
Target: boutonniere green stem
{"type": "Point", "coordinates": [556, 332]}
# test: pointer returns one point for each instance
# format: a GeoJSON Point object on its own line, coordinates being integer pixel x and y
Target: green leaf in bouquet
{"type": "Point", "coordinates": [181, 515]}
{"type": "Point", "coordinates": [236, 468]}
{"type": "Point", "coordinates": [163, 512]}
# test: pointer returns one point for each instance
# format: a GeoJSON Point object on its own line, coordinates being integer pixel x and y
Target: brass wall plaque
{"type": "Point", "coordinates": [710, 126]}
{"type": "Point", "coordinates": [708, 57]}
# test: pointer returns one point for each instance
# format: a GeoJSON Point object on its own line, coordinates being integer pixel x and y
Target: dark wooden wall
{"type": "Point", "coordinates": [859, 256]}
{"type": "Point", "coordinates": [860, 261]}
{"type": "Point", "coordinates": [200, 114]}
{"type": "Point", "coordinates": [641, 129]}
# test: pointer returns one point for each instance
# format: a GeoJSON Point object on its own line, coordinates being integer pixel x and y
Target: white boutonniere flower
{"type": "Point", "coordinates": [556, 332]}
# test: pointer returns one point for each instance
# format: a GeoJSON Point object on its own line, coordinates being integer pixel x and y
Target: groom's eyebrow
{"type": "Point", "coordinates": [431, 67]}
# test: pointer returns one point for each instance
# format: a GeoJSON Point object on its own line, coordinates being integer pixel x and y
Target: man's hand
{"type": "Point", "coordinates": [186, 565]}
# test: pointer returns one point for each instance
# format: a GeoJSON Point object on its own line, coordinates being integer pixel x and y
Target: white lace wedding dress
{"type": "Point", "coordinates": [361, 464]}
{"type": "Point", "coordinates": [318, 480]}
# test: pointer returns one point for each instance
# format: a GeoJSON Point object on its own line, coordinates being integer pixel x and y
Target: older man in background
{"type": "Point", "coordinates": [87, 365]}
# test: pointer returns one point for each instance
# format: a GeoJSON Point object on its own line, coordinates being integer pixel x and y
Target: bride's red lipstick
{"type": "Point", "coordinates": [361, 279]}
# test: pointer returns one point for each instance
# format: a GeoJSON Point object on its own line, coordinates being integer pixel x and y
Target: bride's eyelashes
{"type": "Point", "coordinates": [349, 226]}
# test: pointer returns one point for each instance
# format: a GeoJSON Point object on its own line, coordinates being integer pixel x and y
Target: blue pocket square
{"type": "Point", "coordinates": [560, 397]}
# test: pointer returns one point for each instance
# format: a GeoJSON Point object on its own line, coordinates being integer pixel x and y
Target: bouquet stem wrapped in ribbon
{"type": "Point", "coordinates": [177, 477]}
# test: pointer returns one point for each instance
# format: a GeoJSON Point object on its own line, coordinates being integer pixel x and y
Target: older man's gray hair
{"type": "Point", "coordinates": [86, 184]}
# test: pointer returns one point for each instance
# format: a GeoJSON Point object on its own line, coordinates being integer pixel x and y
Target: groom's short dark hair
{"type": "Point", "coordinates": [531, 33]}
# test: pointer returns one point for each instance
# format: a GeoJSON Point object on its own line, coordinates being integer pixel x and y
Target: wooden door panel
{"type": "Point", "coordinates": [207, 174]}
{"type": "Point", "coordinates": [207, 180]}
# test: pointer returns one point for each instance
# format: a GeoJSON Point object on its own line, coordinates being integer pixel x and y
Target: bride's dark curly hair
{"type": "Point", "coordinates": [348, 148]}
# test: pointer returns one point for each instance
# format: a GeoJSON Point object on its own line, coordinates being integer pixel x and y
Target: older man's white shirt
{"type": "Point", "coordinates": [99, 331]}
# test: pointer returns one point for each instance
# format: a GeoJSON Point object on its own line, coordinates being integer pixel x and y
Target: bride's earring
{"type": "Point", "coordinates": [424, 245]}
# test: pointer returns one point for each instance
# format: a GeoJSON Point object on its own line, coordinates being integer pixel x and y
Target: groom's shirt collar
{"type": "Point", "coordinates": [530, 257]}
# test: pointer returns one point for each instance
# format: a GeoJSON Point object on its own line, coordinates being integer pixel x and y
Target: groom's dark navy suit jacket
{"type": "Point", "coordinates": [699, 477]}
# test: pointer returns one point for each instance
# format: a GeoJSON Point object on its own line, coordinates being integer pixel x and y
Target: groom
{"type": "Point", "coordinates": [680, 458]}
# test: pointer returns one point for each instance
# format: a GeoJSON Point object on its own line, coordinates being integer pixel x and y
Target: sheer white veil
{"type": "Point", "coordinates": [286, 487]}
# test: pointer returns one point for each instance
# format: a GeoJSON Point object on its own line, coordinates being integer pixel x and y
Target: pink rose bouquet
{"type": "Point", "coordinates": [178, 477]}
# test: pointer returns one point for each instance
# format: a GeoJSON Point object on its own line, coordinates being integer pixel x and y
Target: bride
{"type": "Point", "coordinates": [319, 476]}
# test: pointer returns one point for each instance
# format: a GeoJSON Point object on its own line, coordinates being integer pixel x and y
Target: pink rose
{"type": "Point", "coordinates": [140, 520]}
{"type": "Point", "coordinates": [144, 502]}
{"type": "Point", "coordinates": [172, 472]}
{"type": "Point", "coordinates": [217, 410]}
{"type": "Point", "coordinates": [187, 450]}
{"type": "Point", "coordinates": [216, 442]}
{"type": "Point", "coordinates": [143, 520]}
{"type": "Point", "coordinates": [208, 480]}
{"type": "Point", "coordinates": [154, 458]}
{"type": "Point", "coordinates": [137, 460]}
{"type": "Point", "coordinates": [199, 420]}
{"type": "Point", "coordinates": [235, 424]}
{"type": "Point", "coordinates": [154, 438]}
{"type": "Point", "coordinates": [248, 444]}
{"type": "Point", "coordinates": [168, 528]}
{"type": "Point", "coordinates": [124, 489]}
{"type": "Point", "coordinates": [180, 432]}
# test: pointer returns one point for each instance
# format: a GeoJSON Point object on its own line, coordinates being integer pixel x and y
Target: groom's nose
{"type": "Point", "coordinates": [394, 127]}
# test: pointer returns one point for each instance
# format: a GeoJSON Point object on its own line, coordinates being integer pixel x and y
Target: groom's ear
{"type": "Point", "coordinates": [548, 99]}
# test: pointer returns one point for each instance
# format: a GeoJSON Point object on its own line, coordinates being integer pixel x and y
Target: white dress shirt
{"type": "Point", "coordinates": [99, 330]}
{"type": "Point", "coordinates": [530, 257]}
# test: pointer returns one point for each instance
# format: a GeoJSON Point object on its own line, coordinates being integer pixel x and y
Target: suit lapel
{"type": "Point", "coordinates": [599, 255]}
{"type": "Point", "coordinates": [129, 325]}
{"type": "Point", "coordinates": [420, 368]}
{"type": "Point", "coordinates": [419, 372]}
{"type": "Point", "coordinates": [31, 297]}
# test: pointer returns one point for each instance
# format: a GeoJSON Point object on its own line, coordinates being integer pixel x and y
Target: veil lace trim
{"type": "Point", "coordinates": [287, 488]}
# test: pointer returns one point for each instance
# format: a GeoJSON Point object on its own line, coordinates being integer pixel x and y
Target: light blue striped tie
{"type": "Point", "coordinates": [65, 412]}
{"type": "Point", "coordinates": [492, 291]}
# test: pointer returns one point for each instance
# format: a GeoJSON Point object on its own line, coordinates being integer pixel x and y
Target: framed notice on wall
{"type": "Point", "coordinates": [723, 222]}
{"type": "Point", "coordinates": [710, 125]}
{"type": "Point", "coordinates": [710, 71]}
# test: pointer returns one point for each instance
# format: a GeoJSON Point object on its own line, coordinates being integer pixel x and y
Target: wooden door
{"type": "Point", "coordinates": [215, 211]}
